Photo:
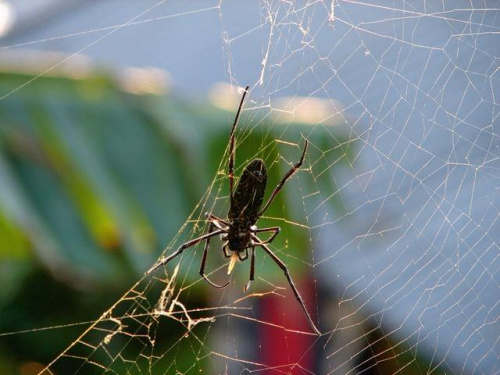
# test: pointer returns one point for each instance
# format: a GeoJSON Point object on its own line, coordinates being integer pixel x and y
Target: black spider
{"type": "Point", "coordinates": [239, 230]}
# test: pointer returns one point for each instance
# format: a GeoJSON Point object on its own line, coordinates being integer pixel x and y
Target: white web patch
{"type": "Point", "coordinates": [397, 200]}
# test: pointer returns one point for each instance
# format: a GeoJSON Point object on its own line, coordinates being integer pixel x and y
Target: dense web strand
{"type": "Point", "coordinates": [389, 226]}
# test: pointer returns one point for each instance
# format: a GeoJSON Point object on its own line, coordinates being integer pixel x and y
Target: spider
{"type": "Point", "coordinates": [239, 231]}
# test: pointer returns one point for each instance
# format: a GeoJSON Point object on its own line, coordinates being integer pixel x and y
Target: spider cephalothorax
{"type": "Point", "coordinates": [239, 231]}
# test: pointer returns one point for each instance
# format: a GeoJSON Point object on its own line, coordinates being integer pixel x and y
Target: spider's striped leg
{"type": "Point", "coordinates": [231, 146]}
{"type": "Point", "coordinates": [252, 270]}
{"type": "Point", "coordinates": [184, 246]}
{"type": "Point", "coordinates": [284, 179]}
{"type": "Point", "coordinates": [284, 268]}
{"type": "Point", "coordinates": [276, 231]}
{"type": "Point", "coordinates": [204, 260]}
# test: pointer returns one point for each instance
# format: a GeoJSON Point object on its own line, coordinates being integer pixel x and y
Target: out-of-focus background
{"type": "Point", "coordinates": [114, 125]}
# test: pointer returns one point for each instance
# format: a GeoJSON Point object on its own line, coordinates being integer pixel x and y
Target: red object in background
{"type": "Point", "coordinates": [283, 351]}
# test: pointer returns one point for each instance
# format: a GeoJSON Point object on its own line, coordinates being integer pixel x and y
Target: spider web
{"type": "Point", "coordinates": [390, 227]}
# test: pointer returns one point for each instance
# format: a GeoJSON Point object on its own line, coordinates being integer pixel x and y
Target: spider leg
{"type": "Point", "coordinates": [276, 231]}
{"type": "Point", "coordinates": [284, 179]}
{"type": "Point", "coordinates": [204, 261]}
{"type": "Point", "coordinates": [231, 146]}
{"type": "Point", "coordinates": [217, 220]}
{"type": "Point", "coordinates": [184, 246]}
{"type": "Point", "coordinates": [252, 270]}
{"type": "Point", "coordinates": [243, 257]}
{"type": "Point", "coordinates": [226, 251]}
{"type": "Point", "coordinates": [284, 268]}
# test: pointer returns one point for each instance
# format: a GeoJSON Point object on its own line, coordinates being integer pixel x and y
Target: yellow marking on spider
{"type": "Point", "coordinates": [232, 262]}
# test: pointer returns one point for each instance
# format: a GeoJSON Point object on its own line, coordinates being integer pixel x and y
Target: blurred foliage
{"type": "Point", "coordinates": [96, 181]}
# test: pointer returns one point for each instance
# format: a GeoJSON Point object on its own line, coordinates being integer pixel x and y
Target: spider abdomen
{"type": "Point", "coordinates": [248, 195]}
{"type": "Point", "coordinates": [245, 204]}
